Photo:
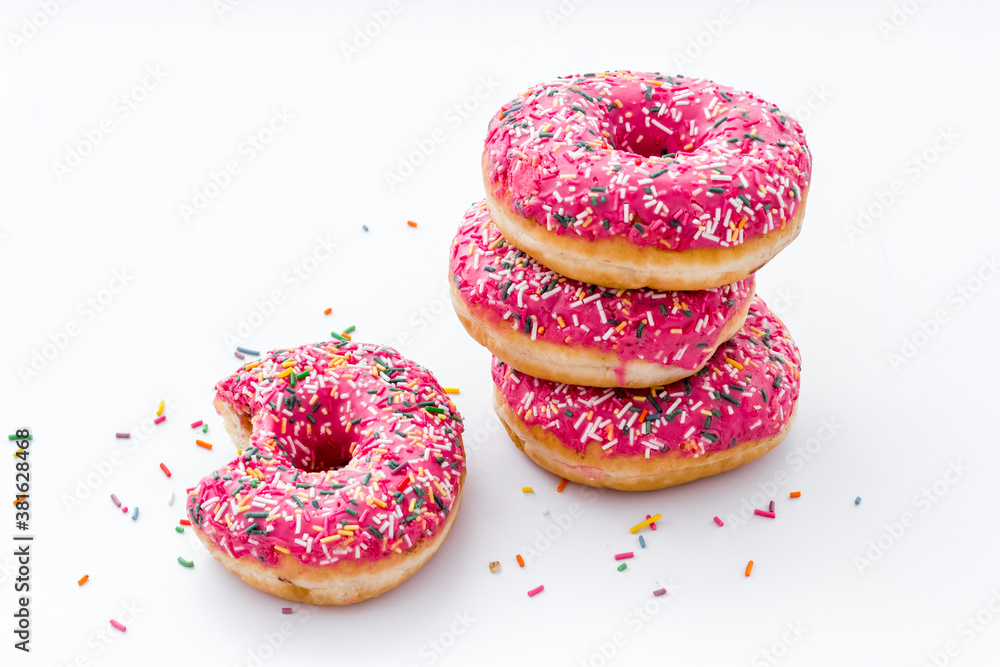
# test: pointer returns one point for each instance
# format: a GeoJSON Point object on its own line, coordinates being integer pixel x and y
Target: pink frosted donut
{"type": "Point", "coordinates": [632, 179]}
{"type": "Point", "coordinates": [560, 329]}
{"type": "Point", "coordinates": [738, 407]}
{"type": "Point", "coordinates": [349, 478]}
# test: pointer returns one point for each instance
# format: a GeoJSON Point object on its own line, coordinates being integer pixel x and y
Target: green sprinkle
{"type": "Point", "coordinates": [777, 382]}
{"type": "Point", "coordinates": [334, 334]}
{"type": "Point", "coordinates": [349, 329]}
{"type": "Point", "coordinates": [622, 566]}
{"type": "Point", "coordinates": [256, 515]}
{"type": "Point", "coordinates": [179, 529]}
{"type": "Point", "coordinates": [351, 511]}
{"type": "Point", "coordinates": [185, 563]}
{"type": "Point", "coordinates": [717, 190]}
{"type": "Point", "coordinates": [659, 173]}
{"type": "Point", "coordinates": [375, 531]}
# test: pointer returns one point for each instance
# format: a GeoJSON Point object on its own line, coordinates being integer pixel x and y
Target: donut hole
{"type": "Point", "coordinates": [329, 453]}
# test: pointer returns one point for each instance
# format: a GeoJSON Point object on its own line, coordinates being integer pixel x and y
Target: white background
{"type": "Point", "coordinates": [875, 85]}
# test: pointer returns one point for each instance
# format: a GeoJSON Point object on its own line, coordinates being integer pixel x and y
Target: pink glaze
{"type": "Point", "coordinates": [743, 403]}
{"type": "Point", "coordinates": [661, 160]}
{"type": "Point", "coordinates": [506, 287]}
{"type": "Point", "coordinates": [363, 442]}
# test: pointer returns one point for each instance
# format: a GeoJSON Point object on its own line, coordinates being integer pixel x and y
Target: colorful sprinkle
{"type": "Point", "coordinates": [622, 566]}
{"type": "Point", "coordinates": [197, 423]}
{"type": "Point", "coordinates": [535, 591]}
{"type": "Point", "coordinates": [765, 513]}
{"type": "Point", "coordinates": [411, 223]}
{"type": "Point", "coordinates": [202, 443]}
{"type": "Point", "coordinates": [123, 436]}
{"type": "Point", "coordinates": [244, 350]}
{"type": "Point", "coordinates": [642, 524]}
{"type": "Point", "coordinates": [82, 580]}
{"type": "Point", "coordinates": [160, 419]}
{"type": "Point", "coordinates": [749, 568]}
{"type": "Point", "coordinates": [795, 494]}
{"type": "Point", "coordinates": [451, 390]}
{"type": "Point", "coordinates": [857, 501]}
{"type": "Point", "coordinates": [179, 529]}
{"type": "Point", "coordinates": [328, 311]}
{"type": "Point", "coordinates": [520, 561]}
{"type": "Point", "coordinates": [653, 520]}
{"type": "Point", "coordinates": [527, 489]}
{"type": "Point", "coordinates": [660, 591]}
{"type": "Point", "coordinates": [718, 521]}
{"type": "Point", "coordinates": [624, 555]}
{"type": "Point", "coordinates": [159, 409]}
{"type": "Point", "coordinates": [165, 469]}
{"type": "Point", "coordinates": [286, 610]}
{"type": "Point", "coordinates": [642, 542]}
{"type": "Point", "coordinates": [770, 507]}
{"type": "Point", "coordinates": [117, 626]}
{"type": "Point", "coordinates": [183, 561]}
{"type": "Point", "coordinates": [135, 513]}
{"type": "Point", "coordinates": [562, 485]}
{"type": "Point", "coordinates": [115, 500]}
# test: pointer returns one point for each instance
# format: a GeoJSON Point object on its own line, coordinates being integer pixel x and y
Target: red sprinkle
{"type": "Point", "coordinates": [286, 610]}
{"type": "Point", "coordinates": [117, 625]}
{"type": "Point", "coordinates": [159, 419]}
{"type": "Point", "coordinates": [185, 522]}
{"type": "Point", "coordinates": [624, 555]}
{"type": "Point", "coordinates": [166, 470]}
{"type": "Point", "coordinates": [770, 508]}
{"type": "Point", "coordinates": [535, 591]}
{"type": "Point", "coordinates": [652, 526]}
{"type": "Point", "coordinates": [197, 423]}
{"type": "Point", "coordinates": [402, 485]}
{"type": "Point", "coordinates": [769, 515]}
{"type": "Point", "coordinates": [124, 509]}
{"type": "Point", "coordinates": [718, 520]}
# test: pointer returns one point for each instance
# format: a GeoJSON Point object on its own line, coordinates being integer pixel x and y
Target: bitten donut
{"type": "Point", "coordinates": [737, 408]}
{"type": "Point", "coordinates": [559, 329]}
{"type": "Point", "coordinates": [631, 179]}
{"type": "Point", "coordinates": [349, 478]}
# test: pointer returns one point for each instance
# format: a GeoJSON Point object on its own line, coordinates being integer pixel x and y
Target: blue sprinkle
{"type": "Point", "coordinates": [248, 351]}
{"type": "Point", "coordinates": [364, 227]}
{"type": "Point", "coordinates": [642, 542]}
{"type": "Point", "coordinates": [135, 513]}
{"type": "Point", "coordinates": [857, 501]}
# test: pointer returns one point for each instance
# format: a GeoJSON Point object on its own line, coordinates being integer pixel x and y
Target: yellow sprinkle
{"type": "Point", "coordinates": [676, 331]}
{"type": "Point", "coordinates": [381, 503]}
{"type": "Point", "coordinates": [344, 533]}
{"type": "Point", "coordinates": [451, 390]}
{"type": "Point", "coordinates": [642, 524]}
{"type": "Point", "coordinates": [318, 529]}
{"type": "Point", "coordinates": [282, 549]}
{"type": "Point", "coordinates": [527, 489]}
{"type": "Point", "coordinates": [621, 326]}
{"type": "Point", "coordinates": [329, 538]}
{"type": "Point", "coordinates": [285, 373]}
{"type": "Point", "coordinates": [159, 409]}
{"type": "Point", "coordinates": [287, 363]}
{"type": "Point", "coordinates": [735, 364]}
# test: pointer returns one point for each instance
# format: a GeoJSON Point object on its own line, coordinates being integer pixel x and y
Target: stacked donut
{"type": "Point", "coordinates": [610, 271]}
